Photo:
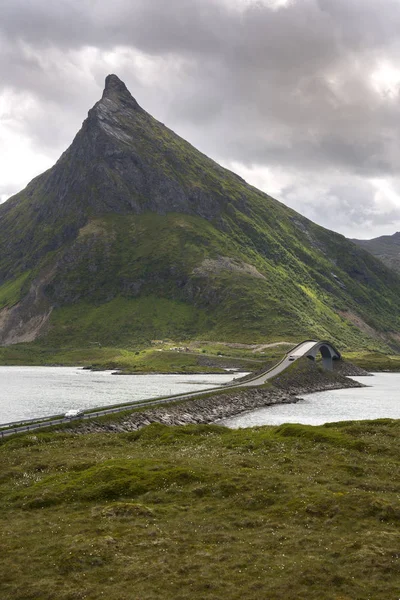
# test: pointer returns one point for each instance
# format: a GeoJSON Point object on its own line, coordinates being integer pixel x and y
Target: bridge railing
{"type": "Point", "coordinates": [237, 384]}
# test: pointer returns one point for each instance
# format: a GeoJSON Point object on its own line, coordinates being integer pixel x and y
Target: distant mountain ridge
{"type": "Point", "coordinates": [135, 235]}
{"type": "Point", "coordinates": [385, 247]}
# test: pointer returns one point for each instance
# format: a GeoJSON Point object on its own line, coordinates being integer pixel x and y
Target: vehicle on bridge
{"type": "Point", "coordinates": [75, 412]}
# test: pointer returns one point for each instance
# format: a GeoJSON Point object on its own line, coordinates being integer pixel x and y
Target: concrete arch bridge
{"type": "Point", "coordinates": [309, 349]}
{"type": "Point", "coordinates": [327, 350]}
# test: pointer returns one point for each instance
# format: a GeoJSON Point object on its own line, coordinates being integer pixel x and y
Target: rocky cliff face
{"type": "Point", "coordinates": [122, 161]}
{"type": "Point", "coordinates": [135, 234]}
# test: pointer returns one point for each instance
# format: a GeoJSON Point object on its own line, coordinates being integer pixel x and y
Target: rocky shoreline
{"type": "Point", "coordinates": [305, 378]}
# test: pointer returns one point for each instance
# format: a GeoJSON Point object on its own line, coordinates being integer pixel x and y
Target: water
{"type": "Point", "coordinates": [33, 392]}
{"type": "Point", "coordinates": [380, 400]}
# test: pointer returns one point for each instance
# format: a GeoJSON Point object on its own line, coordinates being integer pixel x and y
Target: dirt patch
{"type": "Point", "coordinates": [253, 347]}
{"type": "Point", "coordinates": [262, 347]}
{"type": "Point", "coordinates": [27, 331]}
{"type": "Point", "coordinates": [94, 227]}
{"type": "Point", "coordinates": [25, 321]}
{"type": "Point", "coordinates": [224, 263]}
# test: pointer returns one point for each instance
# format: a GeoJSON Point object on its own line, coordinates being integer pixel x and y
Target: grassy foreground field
{"type": "Point", "coordinates": [289, 512]}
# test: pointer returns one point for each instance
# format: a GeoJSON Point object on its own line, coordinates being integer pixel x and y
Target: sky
{"type": "Point", "coordinates": [299, 97]}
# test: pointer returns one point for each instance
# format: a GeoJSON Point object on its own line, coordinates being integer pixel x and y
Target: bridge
{"type": "Point", "coordinates": [328, 353]}
{"type": "Point", "coordinates": [308, 348]}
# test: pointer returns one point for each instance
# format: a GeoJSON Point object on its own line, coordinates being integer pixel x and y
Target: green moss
{"type": "Point", "coordinates": [319, 434]}
{"type": "Point", "coordinates": [203, 511]}
{"type": "Point", "coordinates": [112, 479]}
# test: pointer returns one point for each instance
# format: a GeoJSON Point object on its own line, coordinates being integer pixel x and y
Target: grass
{"type": "Point", "coordinates": [12, 291]}
{"type": "Point", "coordinates": [204, 512]}
{"type": "Point", "coordinates": [140, 359]}
{"type": "Point", "coordinates": [129, 279]}
{"type": "Point", "coordinates": [374, 361]}
{"type": "Point", "coordinates": [198, 357]}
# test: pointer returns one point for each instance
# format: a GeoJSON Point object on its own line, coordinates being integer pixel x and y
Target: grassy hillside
{"type": "Point", "coordinates": [203, 512]}
{"type": "Point", "coordinates": [150, 276]}
{"type": "Point", "coordinates": [128, 280]}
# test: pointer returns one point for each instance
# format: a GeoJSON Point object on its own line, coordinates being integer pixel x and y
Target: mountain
{"type": "Point", "coordinates": [134, 235]}
{"type": "Point", "coordinates": [386, 248]}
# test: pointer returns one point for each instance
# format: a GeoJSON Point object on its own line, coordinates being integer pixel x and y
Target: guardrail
{"type": "Point", "coordinates": [102, 413]}
{"type": "Point", "coordinates": [229, 385]}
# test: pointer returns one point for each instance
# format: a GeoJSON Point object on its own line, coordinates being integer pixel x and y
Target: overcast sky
{"type": "Point", "coordinates": [300, 97]}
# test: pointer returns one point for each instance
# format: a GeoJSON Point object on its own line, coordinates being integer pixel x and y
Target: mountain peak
{"type": "Point", "coordinates": [114, 83]}
{"type": "Point", "coordinates": [116, 90]}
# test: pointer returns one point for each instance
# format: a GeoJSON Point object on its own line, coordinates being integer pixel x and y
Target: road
{"type": "Point", "coordinates": [295, 353]}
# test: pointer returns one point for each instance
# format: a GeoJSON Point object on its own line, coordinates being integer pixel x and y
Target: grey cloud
{"type": "Point", "coordinates": [351, 205]}
{"type": "Point", "coordinates": [6, 190]}
{"type": "Point", "coordinates": [364, 23]}
{"type": "Point", "coordinates": [155, 26]}
{"type": "Point", "coordinates": [286, 88]}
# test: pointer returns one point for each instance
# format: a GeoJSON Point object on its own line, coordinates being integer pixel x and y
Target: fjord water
{"type": "Point", "coordinates": [381, 399]}
{"type": "Point", "coordinates": [33, 392]}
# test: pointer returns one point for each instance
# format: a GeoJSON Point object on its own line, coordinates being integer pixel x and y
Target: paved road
{"type": "Point", "coordinates": [296, 353]}
{"type": "Point", "coordinates": [290, 357]}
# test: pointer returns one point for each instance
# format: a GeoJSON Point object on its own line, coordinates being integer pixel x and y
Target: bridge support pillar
{"type": "Point", "coordinates": [328, 354]}
{"type": "Point", "coordinates": [327, 363]}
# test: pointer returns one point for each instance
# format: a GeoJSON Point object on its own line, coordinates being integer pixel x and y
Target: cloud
{"type": "Point", "coordinates": [306, 91]}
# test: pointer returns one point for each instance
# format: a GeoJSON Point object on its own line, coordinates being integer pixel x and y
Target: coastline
{"type": "Point", "coordinates": [304, 378]}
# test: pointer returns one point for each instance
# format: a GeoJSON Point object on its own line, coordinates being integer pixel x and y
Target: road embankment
{"type": "Point", "coordinates": [303, 377]}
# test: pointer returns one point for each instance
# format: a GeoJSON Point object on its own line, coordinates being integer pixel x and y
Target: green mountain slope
{"type": "Point", "coordinates": [135, 235]}
{"type": "Point", "coordinates": [386, 248]}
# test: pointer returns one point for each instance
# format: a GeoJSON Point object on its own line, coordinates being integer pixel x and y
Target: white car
{"type": "Point", "coordinates": [292, 358]}
{"type": "Point", "coordinates": [76, 412]}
